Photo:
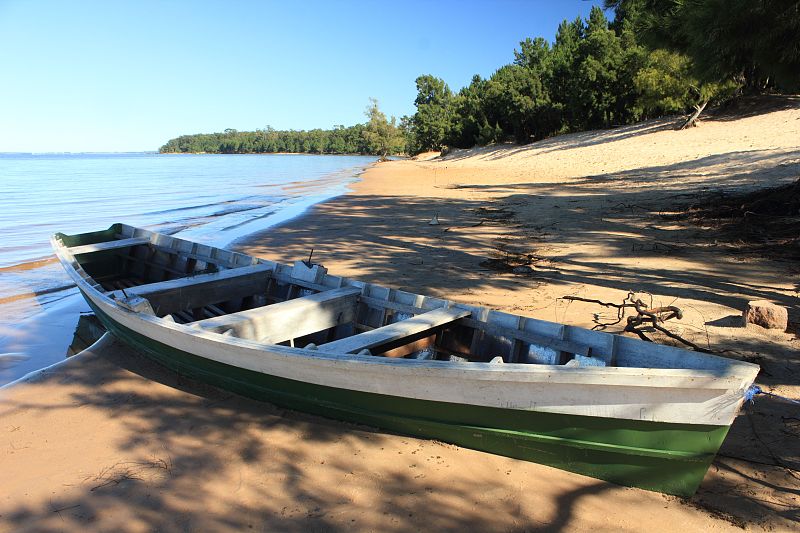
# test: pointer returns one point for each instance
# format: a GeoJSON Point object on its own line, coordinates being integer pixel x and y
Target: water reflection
{"type": "Point", "coordinates": [87, 332]}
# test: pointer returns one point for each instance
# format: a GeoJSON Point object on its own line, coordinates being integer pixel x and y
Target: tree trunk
{"type": "Point", "coordinates": [698, 108]}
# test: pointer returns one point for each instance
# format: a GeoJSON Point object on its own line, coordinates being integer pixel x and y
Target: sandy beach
{"type": "Point", "coordinates": [107, 440]}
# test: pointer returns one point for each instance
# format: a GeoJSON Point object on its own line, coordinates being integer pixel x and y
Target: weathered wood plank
{"type": "Point", "coordinates": [394, 332]}
{"type": "Point", "coordinates": [109, 245]}
{"type": "Point", "coordinates": [290, 319]}
{"type": "Point", "coordinates": [532, 338]}
{"type": "Point", "coordinates": [173, 295]}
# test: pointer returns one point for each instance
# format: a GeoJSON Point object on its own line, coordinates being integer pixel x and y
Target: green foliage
{"type": "Point", "coordinates": [378, 137]}
{"type": "Point", "coordinates": [584, 80]}
{"type": "Point", "coordinates": [598, 65]}
{"type": "Point", "coordinates": [755, 43]}
{"type": "Point", "coordinates": [517, 101]}
{"type": "Point", "coordinates": [469, 124]}
{"type": "Point", "coordinates": [382, 137]}
{"type": "Point", "coordinates": [433, 120]}
{"type": "Point", "coordinates": [563, 57]}
{"type": "Point", "coordinates": [656, 57]}
{"type": "Point", "coordinates": [665, 84]}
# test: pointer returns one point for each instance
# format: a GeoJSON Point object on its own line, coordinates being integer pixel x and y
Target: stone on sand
{"type": "Point", "coordinates": [766, 314]}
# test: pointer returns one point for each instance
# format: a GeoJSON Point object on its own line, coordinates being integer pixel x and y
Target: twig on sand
{"type": "Point", "coordinates": [646, 317]}
{"type": "Point", "coordinates": [129, 470]}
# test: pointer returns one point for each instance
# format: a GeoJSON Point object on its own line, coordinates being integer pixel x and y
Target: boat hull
{"type": "Point", "coordinates": [665, 457]}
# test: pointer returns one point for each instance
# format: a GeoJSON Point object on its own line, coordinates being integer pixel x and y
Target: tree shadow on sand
{"type": "Point", "coordinates": [171, 467]}
{"type": "Point", "coordinates": [185, 456]}
{"type": "Point", "coordinates": [178, 455]}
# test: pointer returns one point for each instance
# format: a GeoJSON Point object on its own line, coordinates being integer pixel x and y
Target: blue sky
{"type": "Point", "coordinates": [127, 76]}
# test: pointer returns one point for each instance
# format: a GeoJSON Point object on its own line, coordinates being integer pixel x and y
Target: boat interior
{"type": "Point", "coordinates": [301, 305]}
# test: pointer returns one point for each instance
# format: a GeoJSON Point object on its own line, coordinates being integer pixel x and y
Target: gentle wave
{"type": "Point", "coordinates": [35, 294]}
{"type": "Point", "coordinates": [28, 265]}
{"type": "Point", "coordinates": [210, 198]}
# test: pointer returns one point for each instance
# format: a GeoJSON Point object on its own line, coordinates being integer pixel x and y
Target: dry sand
{"type": "Point", "coordinates": [108, 441]}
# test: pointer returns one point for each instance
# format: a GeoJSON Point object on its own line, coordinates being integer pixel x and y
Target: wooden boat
{"type": "Point", "coordinates": [611, 407]}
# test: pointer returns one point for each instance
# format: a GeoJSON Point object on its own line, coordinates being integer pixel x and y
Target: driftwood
{"type": "Point", "coordinates": [646, 317]}
{"type": "Point", "coordinates": [692, 120]}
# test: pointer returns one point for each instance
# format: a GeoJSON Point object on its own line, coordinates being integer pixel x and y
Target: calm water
{"type": "Point", "coordinates": [214, 199]}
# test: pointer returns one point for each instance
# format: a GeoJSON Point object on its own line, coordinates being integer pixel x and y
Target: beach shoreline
{"type": "Point", "coordinates": [116, 440]}
{"type": "Point", "coordinates": [23, 315]}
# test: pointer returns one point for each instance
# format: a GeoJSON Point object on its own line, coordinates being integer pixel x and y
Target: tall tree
{"type": "Point", "coordinates": [382, 136]}
{"type": "Point", "coordinates": [599, 61]}
{"type": "Point", "coordinates": [470, 125]}
{"type": "Point", "coordinates": [753, 42]}
{"type": "Point", "coordinates": [665, 84]}
{"type": "Point", "coordinates": [433, 120]}
{"type": "Point", "coordinates": [563, 60]}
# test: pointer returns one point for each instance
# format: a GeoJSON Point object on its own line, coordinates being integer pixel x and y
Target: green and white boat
{"type": "Point", "coordinates": [607, 406]}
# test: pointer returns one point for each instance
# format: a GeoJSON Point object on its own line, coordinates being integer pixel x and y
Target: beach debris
{"type": "Point", "coordinates": [435, 220]}
{"type": "Point", "coordinates": [523, 269]}
{"type": "Point", "coordinates": [647, 318]}
{"type": "Point", "coordinates": [764, 222]}
{"type": "Point", "coordinates": [123, 471]}
{"type": "Point", "coordinates": [766, 314]}
{"type": "Point", "coordinates": [692, 120]}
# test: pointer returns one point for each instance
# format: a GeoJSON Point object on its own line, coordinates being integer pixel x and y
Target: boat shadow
{"type": "Point", "coordinates": [155, 450]}
{"type": "Point", "coordinates": [149, 449]}
{"type": "Point", "coordinates": [610, 232]}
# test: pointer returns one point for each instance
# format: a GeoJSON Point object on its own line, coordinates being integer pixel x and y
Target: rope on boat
{"type": "Point", "coordinates": [754, 390]}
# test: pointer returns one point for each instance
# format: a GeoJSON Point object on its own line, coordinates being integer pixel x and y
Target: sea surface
{"type": "Point", "coordinates": [215, 199]}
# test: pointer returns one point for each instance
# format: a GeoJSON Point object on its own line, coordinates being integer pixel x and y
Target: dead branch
{"type": "Point", "coordinates": [692, 120]}
{"type": "Point", "coordinates": [646, 317]}
{"type": "Point", "coordinates": [619, 307]}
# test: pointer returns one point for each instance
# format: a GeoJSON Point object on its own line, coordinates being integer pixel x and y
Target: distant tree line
{"type": "Point", "coordinates": [378, 136]}
{"type": "Point", "coordinates": [656, 57]}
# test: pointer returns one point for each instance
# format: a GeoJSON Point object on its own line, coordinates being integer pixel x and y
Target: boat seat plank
{"type": "Point", "coordinates": [413, 326]}
{"type": "Point", "coordinates": [533, 338]}
{"type": "Point", "coordinates": [109, 245]}
{"type": "Point", "coordinates": [179, 294]}
{"type": "Point", "coordinates": [291, 319]}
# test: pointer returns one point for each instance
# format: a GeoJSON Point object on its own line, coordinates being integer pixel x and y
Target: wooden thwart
{"type": "Point", "coordinates": [198, 291]}
{"type": "Point", "coordinates": [393, 332]}
{"type": "Point", "coordinates": [290, 319]}
{"type": "Point", "coordinates": [110, 245]}
{"type": "Point", "coordinates": [532, 338]}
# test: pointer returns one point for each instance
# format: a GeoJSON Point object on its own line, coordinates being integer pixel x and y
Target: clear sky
{"type": "Point", "coordinates": [128, 76]}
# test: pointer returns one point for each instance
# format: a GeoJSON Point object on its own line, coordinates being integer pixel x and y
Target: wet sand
{"type": "Point", "coordinates": [38, 296]}
{"type": "Point", "coordinates": [107, 440]}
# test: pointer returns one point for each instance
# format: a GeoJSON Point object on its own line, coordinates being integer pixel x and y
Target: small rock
{"type": "Point", "coordinates": [524, 269]}
{"type": "Point", "coordinates": [766, 314]}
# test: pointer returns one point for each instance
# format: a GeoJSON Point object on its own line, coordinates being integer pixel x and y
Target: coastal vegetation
{"type": "Point", "coordinates": [653, 58]}
{"type": "Point", "coordinates": [378, 136]}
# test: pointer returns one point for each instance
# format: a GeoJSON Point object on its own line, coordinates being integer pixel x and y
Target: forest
{"type": "Point", "coordinates": [653, 58]}
{"type": "Point", "coordinates": [378, 136]}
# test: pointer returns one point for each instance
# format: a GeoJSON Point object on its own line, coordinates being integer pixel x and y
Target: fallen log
{"type": "Point", "coordinates": [691, 121]}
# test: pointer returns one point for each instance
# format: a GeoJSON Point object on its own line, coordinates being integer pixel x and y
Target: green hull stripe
{"type": "Point", "coordinates": [665, 457]}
